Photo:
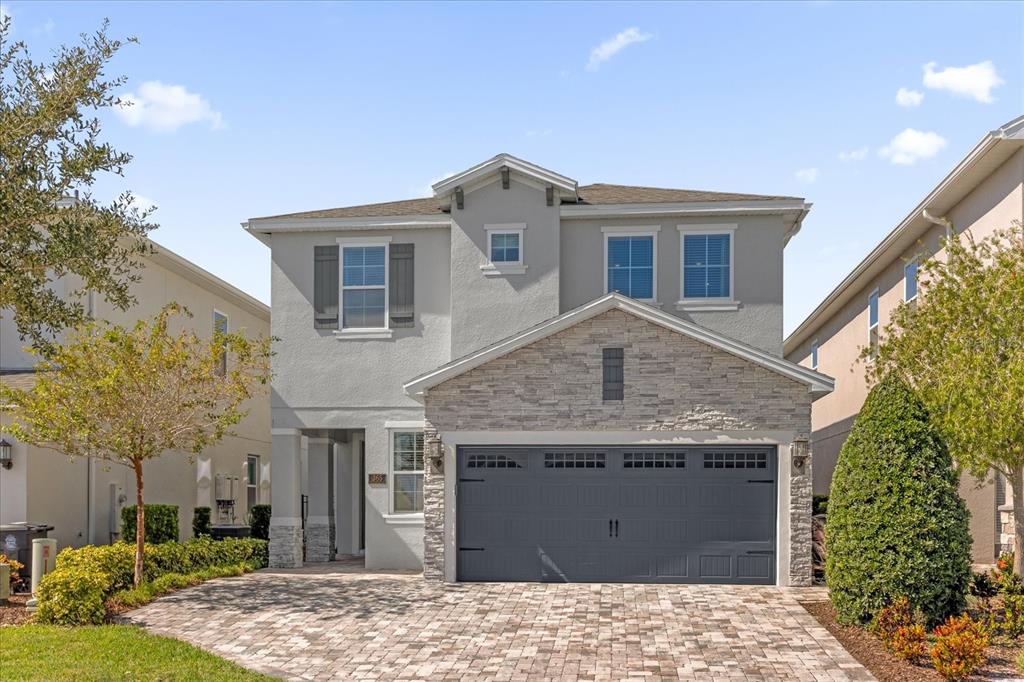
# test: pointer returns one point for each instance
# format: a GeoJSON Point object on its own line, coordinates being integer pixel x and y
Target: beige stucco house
{"type": "Point", "coordinates": [82, 499]}
{"type": "Point", "coordinates": [523, 378]}
{"type": "Point", "coordinates": [984, 192]}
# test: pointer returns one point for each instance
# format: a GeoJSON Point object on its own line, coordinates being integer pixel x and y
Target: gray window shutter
{"type": "Point", "coordinates": [325, 287]}
{"type": "Point", "coordinates": [400, 285]}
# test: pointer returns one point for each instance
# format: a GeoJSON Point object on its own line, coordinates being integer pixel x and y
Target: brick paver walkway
{"type": "Point", "coordinates": [318, 624]}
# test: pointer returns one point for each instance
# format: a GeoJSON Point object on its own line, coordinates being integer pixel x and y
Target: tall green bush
{"type": "Point", "coordinates": [200, 522]}
{"type": "Point", "coordinates": [259, 521]}
{"type": "Point", "coordinates": [161, 523]}
{"type": "Point", "coordinates": [896, 525]}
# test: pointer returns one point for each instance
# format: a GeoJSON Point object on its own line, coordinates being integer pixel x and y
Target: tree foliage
{"type": "Point", "coordinates": [50, 151]}
{"type": "Point", "coordinates": [130, 394]}
{"type": "Point", "coordinates": [962, 348]}
{"type": "Point", "coordinates": [896, 525]}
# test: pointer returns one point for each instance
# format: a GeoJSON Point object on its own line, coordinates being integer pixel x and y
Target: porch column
{"type": "Point", "coordinates": [319, 524]}
{"type": "Point", "coordinates": [433, 506]}
{"type": "Point", "coordinates": [286, 499]}
{"type": "Point", "coordinates": [801, 569]}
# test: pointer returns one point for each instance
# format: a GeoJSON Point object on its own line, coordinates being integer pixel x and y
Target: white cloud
{"type": "Point", "coordinates": [975, 81]}
{"type": "Point", "coordinates": [807, 175]}
{"type": "Point", "coordinates": [613, 46]}
{"type": "Point", "coordinates": [909, 98]}
{"type": "Point", "coordinates": [858, 154]}
{"type": "Point", "coordinates": [165, 108]}
{"type": "Point", "coordinates": [912, 145]}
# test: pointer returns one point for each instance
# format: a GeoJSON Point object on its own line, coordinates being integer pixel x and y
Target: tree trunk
{"type": "Point", "coordinates": [140, 523]}
{"type": "Point", "coordinates": [1017, 485]}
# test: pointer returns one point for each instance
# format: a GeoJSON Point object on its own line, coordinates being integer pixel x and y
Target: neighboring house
{"type": "Point", "coordinates": [82, 499]}
{"type": "Point", "coordinates": [984, 192]}
{"type": "Point", "coordinates": [458, 386]}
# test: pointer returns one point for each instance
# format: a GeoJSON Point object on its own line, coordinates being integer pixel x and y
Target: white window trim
{"type": "Point", "coordinates": [253, 484]}
{"type": "Point", "coordinates": [874, 327]}
{"type": "Point", "coordinates": [492, 269]}
{"type": "Point", "coordinates": [913, 261]}
{"type": "Point", "coordinates": [396, 518]}
{"type": "Point", "coordinates": [384, 332]}
{"type": "Point", "coordinates": [635, 231]}
{"type": "Point", "coordinates": [227, 330]}
{"type": "Point", "coordinates": [704, 304]}
{"type": "Point", "coordinates": [815, 352]}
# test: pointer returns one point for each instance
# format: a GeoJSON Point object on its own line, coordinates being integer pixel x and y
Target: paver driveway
{"type": "Point", "coordinates": [319, 625]}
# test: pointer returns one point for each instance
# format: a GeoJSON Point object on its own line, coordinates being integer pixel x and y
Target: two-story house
{"type": "Point", "coordinates": [524, 379]}
{"type": "Point", "coordinates": [984, 192]}
{"type": "Point", "coordinates": [82, 499]}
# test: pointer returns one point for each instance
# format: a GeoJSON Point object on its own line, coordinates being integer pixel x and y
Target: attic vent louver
{"type": "Point", "coordinates": [504, 177]}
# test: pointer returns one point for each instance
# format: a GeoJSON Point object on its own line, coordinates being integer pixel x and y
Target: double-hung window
{"type": "Point", "coordinates": [630, 268]}
{"type": "Point", "coordinates": [873, 324]}
{"type": "Point", "coordinates": [252, 481]}
{"type": "Point", "coordinates": [364, 289]}
{"type": "Point", "coordinates": [407, 472]}
{"type": "Point", "coordinates": [706, 264]}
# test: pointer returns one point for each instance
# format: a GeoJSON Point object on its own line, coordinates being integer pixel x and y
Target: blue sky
{"type": "Point", "coordinates": [287, 107]}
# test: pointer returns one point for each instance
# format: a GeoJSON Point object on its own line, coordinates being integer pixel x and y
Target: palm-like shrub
{"type": "Point", "coordinates": [896, 525]}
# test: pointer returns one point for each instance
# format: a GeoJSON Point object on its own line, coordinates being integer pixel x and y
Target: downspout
{"type": "Point", "coordinates": [941, 221]}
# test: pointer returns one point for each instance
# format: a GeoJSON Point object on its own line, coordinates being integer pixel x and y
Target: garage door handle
{"type": "Point", "coordinates": [471, 480]}
{"type": "Point", "coordinates": [761, 551]}
{"type": "Point", "coordinates": [471, 549]}
{"type": "Point", "coordinates": [760, 480]}
{"type": "Point", "coordinates": [616, 528]}
{"type": "Point", "coordinates": [610, 528]}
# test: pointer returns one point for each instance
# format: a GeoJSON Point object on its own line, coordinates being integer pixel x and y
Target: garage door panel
{"type": "Point", "coordinates": [684, 514]}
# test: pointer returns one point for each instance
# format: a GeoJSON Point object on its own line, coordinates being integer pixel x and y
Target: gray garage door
{"type": "Point", "coordinates": [593, 514]}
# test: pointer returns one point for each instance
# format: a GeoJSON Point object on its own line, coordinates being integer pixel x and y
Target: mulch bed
{"type": "Point", "coordinates": [14, 611]}
{"type": "Point", "coordinates": [870, 653]}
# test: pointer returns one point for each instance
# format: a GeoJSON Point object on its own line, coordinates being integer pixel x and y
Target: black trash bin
{"type": "Point", "coordinates": [16, 542]}
{"type": "Point", "coordinates": [228, 530]}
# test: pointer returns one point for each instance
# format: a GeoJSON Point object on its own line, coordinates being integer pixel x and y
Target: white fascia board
{"type": "Point", "coordinates": [818, 384]}
{"type": "Point", "coordinates": [583, 211]}
{"type": "Point", "coordinates": [410, 222]}
{"type": "Point", "coordinates": [493, 165]}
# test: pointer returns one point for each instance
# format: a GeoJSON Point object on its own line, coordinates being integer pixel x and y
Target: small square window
{"type": "Point", "coordinates": [505, 244]}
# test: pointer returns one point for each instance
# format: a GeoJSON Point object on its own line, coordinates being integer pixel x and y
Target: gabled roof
{"type": "Point", "coordinates": [601, 193]}
{"type": "Point", "coordinates": [991, 152]}
{"type": "Point", "coordinates": [495, 164]}
{"type": "Point", "coordinates": [817, 384]}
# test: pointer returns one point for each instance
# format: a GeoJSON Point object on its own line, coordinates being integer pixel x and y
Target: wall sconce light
{"type": "Point", "coordinates": [549, 194]}
{"type": "Point", "coordinates": [460, 198]}
{"type": "Point", "coordinates": [504, 177]}
{"type": "Point", "coordinates": [6, 454]}
{"type": "Point", "coordinates": [799, 461]}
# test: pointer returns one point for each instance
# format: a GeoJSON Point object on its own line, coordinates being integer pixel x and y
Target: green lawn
{"type": "Point", "coordinates": [107, 652]}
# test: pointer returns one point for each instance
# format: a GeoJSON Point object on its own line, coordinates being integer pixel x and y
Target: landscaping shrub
{"type": "Point", "coordinates": [908, 642]}
{"type": "Point", "coordinates": [896, 524]}
{"type": "Point", "coordinates": [1020, 662]}
{"type": "Point", "coordinates": [200, 522]}
{"type": "Point", "coordinates": [169, 582]}
{"type": "Point", "coordinates": [111, 567]}
{"type": "Point", "coordinates": [1013, 615]}
{"type": "Point", "coordinates": [959, 647]}
{"type": "Point", "coordinates": [161, 523]}
{"type": "Point", "coordinates": [16, 567]}
{"type": "Point", "coordinates": [982, 586]}
{"type": "Point", "coordinates": [891, 618]}
{"type": "Point", "coordinates": [259, 521]}
{"type": "Point", "coordinates": [819, 505]}
{"type": "Point", "coordinates": [72, 597]}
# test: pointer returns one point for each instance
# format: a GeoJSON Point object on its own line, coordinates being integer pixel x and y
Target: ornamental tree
{"type": "Point", "coordinates": [961, 346]}
{"type": "Point", "coordinates": [51, 152]}
{"type": "Point", "coordinates": [127, 395]}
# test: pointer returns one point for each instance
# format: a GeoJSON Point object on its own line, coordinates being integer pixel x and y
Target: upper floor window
{"type": "Point", "coordinates": [910, 281]}
{"type": "Point", "coordinates": [630, 264]}
{"type": "Point", "coordinates": [814, 354]}
{"type": "Point", "coordinates": [220, 326]}
{"type": "Point", "coordinates": [364, 286]}
{"type": "Point", "coordinates": [707, 265]}
{"type": "Point", "coordinates": [873, 324]}
{"type": "Point", "coordinates": [505, 245]}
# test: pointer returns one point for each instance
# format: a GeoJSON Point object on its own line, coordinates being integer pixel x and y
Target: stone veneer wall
{"type": "Point", "coordinates": [672, 383]}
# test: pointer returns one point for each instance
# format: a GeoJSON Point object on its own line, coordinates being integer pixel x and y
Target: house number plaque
{"type": "Point", "coordinates": [378, 479]}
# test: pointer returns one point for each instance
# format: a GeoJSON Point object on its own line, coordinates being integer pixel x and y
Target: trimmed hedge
{"type": "Point", "coordinates": [200, 522]}
{"type": "Point", "coordinates": [89, 575]}
{"type": "Point", "coordinates": [896, 525]}
{"type": "Point", "coordinates": [259, 521]}
{"type": "Point", "coordinates": [161, 523]}
{"type": "Point", "coordinates": [169, 582]}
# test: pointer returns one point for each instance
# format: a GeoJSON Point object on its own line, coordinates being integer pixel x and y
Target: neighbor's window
{"type": "Point", "coordinates": [364, 287]}
{"type": "Point", "coordinates": [910, 281]}
{"type": "Point", "coordinates": [873, 324]}
{"type": "Point", "coordinates": [707, 265]}
{"type": "Point", "coordinates": [506, 247]}
{"type": "Point", "coordinates": [630, 267]}
{"type": "Point", "coordinates": [407, 468]}
{"type": "Point", "coordinates": [220, 326]}
{"type": "Point", "coordinates": [252, 481]}
{"type": "Point", "coordinates": [814, 355]}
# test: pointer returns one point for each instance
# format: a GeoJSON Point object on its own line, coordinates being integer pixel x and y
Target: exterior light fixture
{"type": "Point", "coordinates": [504, 177]}
{"type": "Point", "coordinates": [6, 454]}
{"type": "Point", "coordinates": [460, 198]}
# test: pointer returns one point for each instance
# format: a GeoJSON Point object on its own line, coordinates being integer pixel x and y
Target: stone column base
{"type": "Point", "coordinates": [285, 545]}
{"type": "Point", "coordinates": [318, 540]}
{"type": "Point", "coordinates": [1007, 529]}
